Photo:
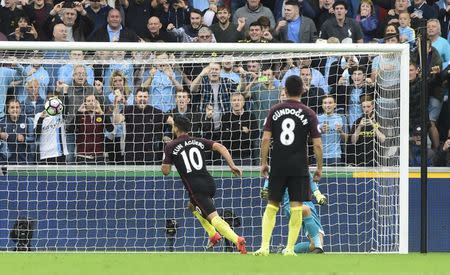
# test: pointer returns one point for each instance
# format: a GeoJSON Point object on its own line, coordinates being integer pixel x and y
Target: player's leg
{"type": "Point", "coordinates": [314, 248]}
{"type": "Point", "coordinates": [276, 190]}
{"type": "Point", "coordinates": [299, 191]}
{"type": "Point", "coordinates": [201, 193]}
{"type": "Point", "coordinates": [214, 237]}
{"type": "Point", "coordinates": [224, 228]}
{"type": "Point", "coordinates": [295, 222]}
{"type": "Point", "coordinates": [313, 230]}
{"type": "Point", "coordinates": [304, 247]}
{"type": "Point", "coordinates": [313, 226]}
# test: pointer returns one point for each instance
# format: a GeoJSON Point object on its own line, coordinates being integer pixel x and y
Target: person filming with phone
{"type": "Point", "coordinates": [24, 31]}
{"type": "Point", "coordinates": [365, 134]}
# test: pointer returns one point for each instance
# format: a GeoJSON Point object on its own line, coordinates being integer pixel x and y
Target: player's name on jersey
{"type": "Point", "coordinates": [187, 143]}
{"type": "Point", "coordinates": [290, 111]}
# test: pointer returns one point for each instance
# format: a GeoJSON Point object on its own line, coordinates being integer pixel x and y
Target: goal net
{"type": "Point", "coordinates": [89, 179]}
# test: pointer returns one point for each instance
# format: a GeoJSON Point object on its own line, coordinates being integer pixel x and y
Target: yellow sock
{"type": "Point", "coordinates": [268, 223]}
{"type": "Point", "coordinates": [295, 222]}
{"type": "Point", "coordinates": [224, 229]}
{"type": "Point", "coordinates": [205, 223]}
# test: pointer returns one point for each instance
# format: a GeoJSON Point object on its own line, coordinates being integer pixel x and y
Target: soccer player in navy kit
{"type": "Point", "coordinates": [289, 125]}
{"type": "Point", "coordinates": [188, 155]}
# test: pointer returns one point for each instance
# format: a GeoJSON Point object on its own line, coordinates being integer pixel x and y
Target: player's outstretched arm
{"type": "Point", "coordinates": [318, 152]}
{"type": "Point", "coordinates": [226, 155]}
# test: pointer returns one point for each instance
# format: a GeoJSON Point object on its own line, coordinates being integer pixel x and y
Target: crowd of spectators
{"type": "Point", "coordinates": [122, 113]}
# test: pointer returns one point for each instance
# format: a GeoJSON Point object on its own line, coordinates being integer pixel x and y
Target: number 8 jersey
{"type": "Point", "coordinates": [291, 123]}
{"type": "Point", "coordinates": [188, 155]}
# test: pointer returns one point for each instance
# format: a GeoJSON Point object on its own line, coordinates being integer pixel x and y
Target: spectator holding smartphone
{"type": "Point", "coordinates": [24, 31]}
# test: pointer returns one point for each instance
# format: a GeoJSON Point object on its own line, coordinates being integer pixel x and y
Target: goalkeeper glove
{"type": "Point", "coordinates": [321, 199]}
{"type": "Point", "coordinates": [264, 193]}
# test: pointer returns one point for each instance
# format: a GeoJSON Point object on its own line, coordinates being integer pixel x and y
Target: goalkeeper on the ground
{"type": "Point", "coordinates": [311, 222]}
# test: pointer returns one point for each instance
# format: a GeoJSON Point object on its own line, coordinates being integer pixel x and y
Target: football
{"type": "Point", "coordinates": [54, 106]}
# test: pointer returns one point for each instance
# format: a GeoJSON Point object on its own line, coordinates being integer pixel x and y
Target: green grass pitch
{"type": "Point", "coordinates": [220, 264]}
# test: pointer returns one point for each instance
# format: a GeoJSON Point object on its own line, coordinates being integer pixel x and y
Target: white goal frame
{"type": "Point", "coordinates": [402, 49]}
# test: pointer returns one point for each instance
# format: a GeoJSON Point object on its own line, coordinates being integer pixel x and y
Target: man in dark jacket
{"type": "Point", "coordinates": [78, 24]}
{"type": "Point", "coordinates": [144, 125]}
{"type": "Point", "coordinates": [17, 131]}
{"type": "Point", "coordinates": [239, 131]}
{"type": "Point", "coordinates": [114, 31]}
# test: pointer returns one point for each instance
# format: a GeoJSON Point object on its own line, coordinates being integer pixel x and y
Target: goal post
{"type": "Point", "coordinates": [109, 207]}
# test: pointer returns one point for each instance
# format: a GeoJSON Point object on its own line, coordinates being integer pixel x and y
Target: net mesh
{"type": "Point", "coordinates": [89, 180]}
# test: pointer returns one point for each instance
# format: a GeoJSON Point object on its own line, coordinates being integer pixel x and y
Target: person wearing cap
{"type": "Point", "coordinates": [415, 149]}
{"type": "Point", "coordinates": [341, 26]}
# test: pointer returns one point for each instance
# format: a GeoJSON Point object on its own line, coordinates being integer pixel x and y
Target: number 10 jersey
{"type": "Point", "coordinates": [188, 155]}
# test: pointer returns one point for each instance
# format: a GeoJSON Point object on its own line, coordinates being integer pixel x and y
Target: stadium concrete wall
{"type": "Point", "coordinates": [117, 214]}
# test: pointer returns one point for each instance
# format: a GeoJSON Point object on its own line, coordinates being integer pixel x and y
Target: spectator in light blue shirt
{"type": "Point", "coordinates": [407, 34]}
{"type": "Point", "coordinates": [333, 131]}
{"type": "Point", "coordinates": [227, 69]}
{"type": "Point", "coordinates": [439, 43]}
{"type": "Point", "coordinates": [124, 67]}
{"type": "Point", "coordinates": [65, 73]}
{"type": "Point", "coordinates": [317, 78]}
{"type": "Point", "coordinates": [38, 72]}
{"type": "Point", "coordinates": [33, 103]}
{"type": "Point", "coordinates": [164, 82]}
{"type": "Point", "coordinates": [199, 4]}
{"type": "Point", "coordinates": [52, 69]}
{"type": "Point", "coordinates": [357, 89]}
{"type": "Point", "coordinates": [7, 75]}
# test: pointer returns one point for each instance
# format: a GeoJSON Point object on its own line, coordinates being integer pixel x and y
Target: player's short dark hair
{"type": "Point", "coordinates": [13, 100]}
{"type": "Point", "coordinates": [340, 3]}
{"type": "Point", "coordinates": [197, 11]}
{"type": "Point", "coordinates": [141, 89]}
{"type": "Point", "coordinates": [255, 24]}
{"type": "Point", "coordinates": [182, 122]}
{"type": "Point", "coordinates": [361, 68]}
{"type": "Point", "coordinates": [292, 3]}
{"type": "Point", "coordinates": [294, 86]}
{"type": "Point", "coordinates": [223, 7]}
{"type": "Point", "coordinates": [328, 96]}
{"type": "Point", "coordinates": [366, 98]}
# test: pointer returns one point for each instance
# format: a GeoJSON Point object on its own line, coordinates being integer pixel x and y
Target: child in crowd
{"type": "Point", "coordinates": [407, 34]}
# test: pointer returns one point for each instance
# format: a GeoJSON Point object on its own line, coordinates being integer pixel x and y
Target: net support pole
{"type": "Point", "coordinates": [404, 151]}
{"type": "Point", "coordinates": [424, 140]}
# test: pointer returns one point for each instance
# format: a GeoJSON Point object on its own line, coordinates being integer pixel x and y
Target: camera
{"type": "Point", "coordinates": [25, 29]}
{"type": "Point", "coordinates": [171, 227]}
{"type": "Point", "coordinates": [22, 233]}
{"type": "Point", "coordinates": [171, 231]}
